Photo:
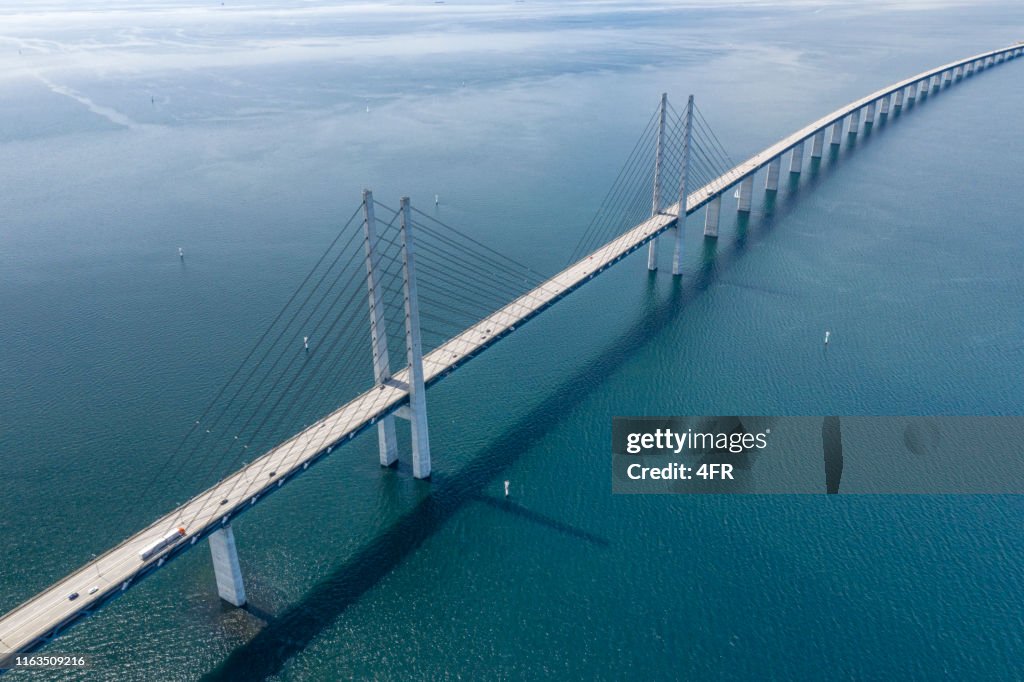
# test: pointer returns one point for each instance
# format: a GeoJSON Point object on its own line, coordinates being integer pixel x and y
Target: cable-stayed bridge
{"type": "Point", "coordinates": [436, 298]}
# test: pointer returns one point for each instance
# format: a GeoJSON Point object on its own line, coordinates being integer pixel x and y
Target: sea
{"type": "Point", "coordinates": [243, 132]}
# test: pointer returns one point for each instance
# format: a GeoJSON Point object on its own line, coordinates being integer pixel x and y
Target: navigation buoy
{"type": "Point", "coordinates": [181, 253]}
{"type": "Point", "coordinates": [827, 334]}
{"type": "Point", "coordinates": [506, 488]}
{"type": "Point", "coordinates": [305, 342]}
{"type": "Point", "coordinates": [437, 199]}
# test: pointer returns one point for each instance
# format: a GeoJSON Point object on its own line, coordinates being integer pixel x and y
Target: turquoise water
{"type": "Point", "coordinates": [243, 135]}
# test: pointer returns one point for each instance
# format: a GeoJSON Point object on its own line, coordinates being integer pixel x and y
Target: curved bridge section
{"type": "Point", "coordinates": [878, 102]}
{"type": "Point", "coordinates": [43, 617]}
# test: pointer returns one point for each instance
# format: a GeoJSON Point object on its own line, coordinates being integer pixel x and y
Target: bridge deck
{"type": "Point", "coordinates": [733, 176]}
{"type": "Point", "coordinates": [44, 615]}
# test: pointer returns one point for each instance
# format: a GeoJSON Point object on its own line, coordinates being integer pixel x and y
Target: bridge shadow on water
{"type": "Point", "coordinates": [288, 634]}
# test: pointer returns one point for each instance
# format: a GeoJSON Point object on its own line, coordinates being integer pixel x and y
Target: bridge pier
{"type": "Point", "coordinates": [771, 180]}
{"type": "Point", "coordinates": [911, 92]}
{"type": "Point", "coordinates": [417, 412]}
{"type": "Point", "coordinates": [746, 192]}
{"type": "Point", "coordinates": [711, 213]}
{"type": "Point", "coordinates": [652, 248]}
{"type": "Point", "coordinates": [387, 441]}
{"type": "Point", "coordinates": [225, 566]}
{"type": "Point", "coordinates": [869, 113]}
{"type": "Point", "coordinates": [796, 161]}
{"type": "Point", "coordinates": [947, 76]}
{"type": "Point", "coordinates": [898, 102]}
{"type": "Point", "coordinates": [854, 121]}
{"type": "Point", "coordinates": [883, 106]}
{"type": "Point", "coordinates": [818, 144]}
{"type": "Point", "coordinates": [837, 133]}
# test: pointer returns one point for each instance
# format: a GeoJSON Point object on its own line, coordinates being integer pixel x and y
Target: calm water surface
{"type": "Point", "coordinates": [245, 134]}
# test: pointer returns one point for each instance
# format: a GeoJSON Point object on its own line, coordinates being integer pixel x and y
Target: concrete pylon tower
{"type": "Point", "coordinates": [684, 171]}
{"type": "Point", "coordinates": [417, 411]}
{"type": "Point", "coordinates": [386, 438]}
{"type": "Point", "coordinates": [659, 164]}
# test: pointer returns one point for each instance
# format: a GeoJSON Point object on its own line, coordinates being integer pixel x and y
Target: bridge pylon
{"type": "Point", "coordinates": [386, 439]}
{"type": "Point", "coordinates": [659, 164]}
{"type": "Point", "coordinates": [416, 410]}
{"type": "Point", "coordinates": [684, 171]}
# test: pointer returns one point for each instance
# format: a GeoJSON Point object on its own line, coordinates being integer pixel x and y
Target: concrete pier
{"type": "Point", "coordinates": [387, 441]}
{"type": "Point", "coordinates": [869, 113]}
{"type": "Point", "coordinates": [854, 121]}
{"type": "Point", "coordinates": [714, 208]}
{"type": "Point", "coordinates": [898, 103]}
{"type": "Point", "coordinates": [818, 144]}
{"type": "Point", "coordinates": [226, 567]}
{"type": "Point", "coordinates": [771, 180]}
{"type": "Point", "coordinates": [883, 106]}
{"type": "Point", "coordinates": [746, 194]}
{"type": "Point", "coordinates": [414, 350]}
{"type": "Point", "coordinates": [837, 133]}
{"type": "Point", "coordinates": [796, 161]}
{"type": "Point", "coordinates": [911, 93]}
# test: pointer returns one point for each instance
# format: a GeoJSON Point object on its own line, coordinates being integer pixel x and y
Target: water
{"type": "Point", "coordinates": [253, 149]}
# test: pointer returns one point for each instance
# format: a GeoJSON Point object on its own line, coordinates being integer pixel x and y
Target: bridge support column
{"type": "Point", "coordinates": [854, 121]}
{"type": "Point", "coordinates": [817, 144]}
{"type": "Point", "coordinates": [911, 92]}
{"type": "Point", "coordinates": [652, 248]}
{"type": "Point", "coordinates": [947, 76]}
{"type": "Point", "coordinates": [684, 172]}
{"type": "Point", "coordinates": [745, 194]}
{"type": "Point", "coordinates": [771, 180]}
{"type": "Point", "coordinates": [898, 102]}
{"type": "Point", "coordinates": [714, 208]}
{"type": "Point", "coordinates": [837, 133]}
{"type": "Point", "coordinates": [883, 106]}
{"type": "Point", "coordinates": [414, 351]}
{"type": "Point", "coordinates": [796, 161]}
{"type": "Point", "coordinates": [225, 566]}
{"type": "Point", "coordinates": [387, 442]}
{"type": "Point", "coordinates": [869, 113]}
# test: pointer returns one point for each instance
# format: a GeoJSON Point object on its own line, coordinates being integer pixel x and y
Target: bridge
{"type": "Point", "coordinates": [381, 251]}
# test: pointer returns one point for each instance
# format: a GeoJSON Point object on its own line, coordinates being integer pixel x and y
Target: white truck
{"type": "Point", "coordinates": [166, 541]}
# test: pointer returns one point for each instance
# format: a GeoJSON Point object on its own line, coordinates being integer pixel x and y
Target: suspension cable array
{"type": "Point", "coordinates": [628, 202]}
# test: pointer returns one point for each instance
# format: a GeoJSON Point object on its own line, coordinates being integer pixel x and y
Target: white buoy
{"type": "Point", "coordinates": [181, 253]}
{"type": "Point", "coordinates": [437, 199]}
{"type": "Point", "coordinates": [827, 334]}
{"type": "Point", "coordinates": [506, 488]}
{"type": "Point", "coordinates": [305, 342]}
